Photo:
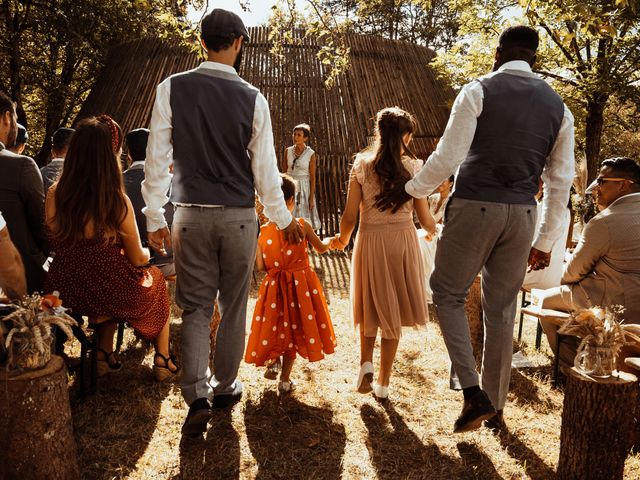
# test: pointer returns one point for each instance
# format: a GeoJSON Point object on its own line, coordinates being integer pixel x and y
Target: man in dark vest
{"type": "Point", "coordinates": [506, 130]}
{"type": "Point", "coordinates": [216, 130]}
{"type": "Point", "coordinates": [22, 199]}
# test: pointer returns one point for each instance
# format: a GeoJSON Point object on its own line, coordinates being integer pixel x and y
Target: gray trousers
{"type": "Point", "coordinates": [494, 239]}
{"type": "Point", "coordinates": [214, 251]}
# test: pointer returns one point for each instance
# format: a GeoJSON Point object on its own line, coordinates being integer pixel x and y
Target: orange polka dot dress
{"type": "Point", "coordinates": [291, 315]}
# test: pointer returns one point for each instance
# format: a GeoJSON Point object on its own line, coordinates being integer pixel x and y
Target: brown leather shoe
{"type": "Point", "coordinates": [474, 411]}
{"type": "Point", "coordinates": [495, 423]}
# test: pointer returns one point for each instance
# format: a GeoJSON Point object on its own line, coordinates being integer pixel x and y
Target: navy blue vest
{"type": "Point", "coordinates": [516, 132]}
{"type": "Point", "coordinates": [212, 120]}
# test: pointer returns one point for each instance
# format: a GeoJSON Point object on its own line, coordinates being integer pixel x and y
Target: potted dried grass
{"type": "Point", "coordinates": [29, 339]}
{"type": "Point", "coordinates": [603, 336]}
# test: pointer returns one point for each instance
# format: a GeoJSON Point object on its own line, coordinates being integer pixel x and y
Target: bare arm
{"type": "Point", "coordinates": [314, 240]}
{"type": "Point", "coordinates": [351, 210]}
{"type": "Point", "coordinates": [12, 279]}
{"type": "Point", "coordinates": [312, 180]}
{"type": "Point", "coordinates": [259, 260]}
{"type": "Point", "coordinates": [283, 162]}
{"type": "Point", "coordinates": [133, 250]}
{"type": "Point", "coordinates": [421, 206]}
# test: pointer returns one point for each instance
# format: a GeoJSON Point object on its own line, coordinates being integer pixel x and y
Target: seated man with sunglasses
{"type": "Point", "coordinates": [605, 267]}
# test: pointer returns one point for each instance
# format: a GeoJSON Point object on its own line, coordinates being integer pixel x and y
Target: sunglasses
{"type": "Point", "coordinates": [601, 180]}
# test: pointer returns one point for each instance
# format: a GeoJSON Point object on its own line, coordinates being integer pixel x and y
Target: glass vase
{"type": "Point", "coordinates": [595, 361]}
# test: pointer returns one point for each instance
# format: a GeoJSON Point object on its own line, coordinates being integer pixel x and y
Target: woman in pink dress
{"type": "Point", "coordinates": [387, 276]}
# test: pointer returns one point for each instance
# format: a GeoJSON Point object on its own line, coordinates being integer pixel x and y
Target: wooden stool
{"type": "Point", "coordinates": [90, 349]}
{"type": "Point", "coordinates": [524, 303]}
{"type": "Point", "coordinates": [558, 318]}
{"type": "Point", "coordinates": [597, 425]}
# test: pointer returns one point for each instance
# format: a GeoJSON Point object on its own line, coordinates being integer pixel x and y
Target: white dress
{"type": "Point", "coordinates": [300, 173]}
{"type": "Point", "coordinates": [428, 247]}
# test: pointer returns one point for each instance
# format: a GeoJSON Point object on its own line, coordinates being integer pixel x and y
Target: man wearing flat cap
{"type": "Point", "coordinates": [215, 129]}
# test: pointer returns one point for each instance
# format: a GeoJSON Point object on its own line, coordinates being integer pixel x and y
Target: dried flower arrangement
{"type": "Point", "coordinates": [29, 339]}
{"type": "Point", "coordinates": [600, 328]}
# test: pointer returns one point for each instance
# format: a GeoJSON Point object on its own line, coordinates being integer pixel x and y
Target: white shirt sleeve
{"type": "Point", "coordinates": [557, 176]}
{"type": "Point", "coordinates": [454, 145]}
{"type": "Point", "coordinates": [2, 222]}
{"type": "Point", "coordinates": [157, 178]}
{"type": "Point", "coordinates": [264, 166]}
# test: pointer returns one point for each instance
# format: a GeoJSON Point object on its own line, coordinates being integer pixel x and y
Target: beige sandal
{"type": "Point", "coordinates": [106, 366]}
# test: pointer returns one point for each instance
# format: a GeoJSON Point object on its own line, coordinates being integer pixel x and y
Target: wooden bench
{"type": "Point", "coordinates": [557, 318]}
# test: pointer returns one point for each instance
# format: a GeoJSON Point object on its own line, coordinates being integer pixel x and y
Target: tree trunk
{"type": "Point", "coordinates": [597, 426]}
{"type": "Point", "coordinates": [593, 133]}
{"type": "Point", "coordinates": [37, 439]}
{"type": "Point", "coordinates": [473, 308]}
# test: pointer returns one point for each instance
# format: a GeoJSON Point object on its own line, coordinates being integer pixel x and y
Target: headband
{"type": "Point", "coordinates": [115, 135]}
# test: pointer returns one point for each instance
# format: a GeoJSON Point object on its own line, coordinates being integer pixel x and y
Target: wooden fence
{"type": "Point", "coordinates": [382, 73]}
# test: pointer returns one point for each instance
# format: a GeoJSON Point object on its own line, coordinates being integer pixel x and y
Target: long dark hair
{"type": "Point", "coordinates": [392, 124]}
{"type": "Point", "coordinates": [90, 188]}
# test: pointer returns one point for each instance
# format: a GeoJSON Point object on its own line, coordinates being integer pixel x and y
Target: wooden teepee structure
{"type": "Point", "coordinates": [383, 73]}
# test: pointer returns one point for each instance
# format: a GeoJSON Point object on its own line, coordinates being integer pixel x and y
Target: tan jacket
{"type": "Point", "coordinates": [605, 267]}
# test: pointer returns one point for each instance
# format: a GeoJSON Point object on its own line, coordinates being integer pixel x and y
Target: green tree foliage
{"type": "Point", "coordinates": [590, 50]}
{"type": "Point", "coordinates": [52, 50]}
{"type": "Point", "coordinates": [431, 23]}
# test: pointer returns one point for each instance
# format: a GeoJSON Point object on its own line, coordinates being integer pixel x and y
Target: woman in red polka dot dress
{"type": "Point", "coordinates": [291, 315]}
{"type": "Point", "coordinates": [99, 266]}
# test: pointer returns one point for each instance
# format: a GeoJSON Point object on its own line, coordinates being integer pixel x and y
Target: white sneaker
{"type": "Point", "coordinates": [381, 393]}
{"type": "Point", "coordinates": [365, 378]}
{"type": "Point", "coordinates": [286, 387]}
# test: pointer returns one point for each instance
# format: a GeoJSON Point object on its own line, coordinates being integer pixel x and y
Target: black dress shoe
{"type": "Point", "coordinates": [198, 417]}
{"type": "Point", "coordinates": [227, 400]}
{"type": "Point", "coordinates": [495, 423]}
{"type": "Point", "coordinates": [474, 411]}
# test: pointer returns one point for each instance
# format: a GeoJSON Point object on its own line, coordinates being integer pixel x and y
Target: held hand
{"type": "Point", "coordinates": [312, 203]}
{"type": "Point", "coordinates": [160, 240]}
{"type": "Point", "coordinates": [294, 233]}
{"type": "Point", "coordinates": [336, 244]}
{"type": "Point", "coordinates": [538, 259]}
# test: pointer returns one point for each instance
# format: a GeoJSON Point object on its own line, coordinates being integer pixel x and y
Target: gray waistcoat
{"type": "Point", "coordinates": [517, 129]}
{"type": "Point", "coordinates": [212, 120]}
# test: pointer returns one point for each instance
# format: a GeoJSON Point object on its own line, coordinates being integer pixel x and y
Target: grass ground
{"type": "Point", "coordinates": [325, 430]}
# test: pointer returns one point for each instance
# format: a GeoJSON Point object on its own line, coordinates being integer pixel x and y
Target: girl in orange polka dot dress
{"type": "Point", "coordinates": [291, 315]}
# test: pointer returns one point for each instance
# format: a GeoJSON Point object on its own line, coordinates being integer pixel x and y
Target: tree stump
{"type": "Point", "coordinates": [37, 439]}
{"type": "Point", "coordinates": [473, 308]}
{"type": "Point", "coordinates": [597, 426]}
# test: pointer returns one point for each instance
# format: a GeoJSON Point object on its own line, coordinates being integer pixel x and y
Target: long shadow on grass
{"type": "Point", "coordinates": [215, 456]}
{"type": "Point", "coordinates": [114, 426]}
{"type": "Point", "coordinates": [527, 392]}
{"type": "Point", "coordinates": [397, 452]}
{"type": "Point", "coordinates": [535, 467]}
{"type": "Point", "coordinates": [289, 439]}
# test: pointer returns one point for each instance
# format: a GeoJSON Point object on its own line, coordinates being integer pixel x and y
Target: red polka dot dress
{"type": "Point", "coordinates": [291, 315]}
{"type": "Point", "coordinates": [98, 280]}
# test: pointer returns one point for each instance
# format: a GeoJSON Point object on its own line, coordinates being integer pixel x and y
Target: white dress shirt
{"type": "Point", "coordinates": [458, 136]}
{"type": "Point", "coordinates": [266, 177]}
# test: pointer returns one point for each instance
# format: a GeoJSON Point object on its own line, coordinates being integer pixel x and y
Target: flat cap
{"type": "Point", "coordinates": [222, 23]}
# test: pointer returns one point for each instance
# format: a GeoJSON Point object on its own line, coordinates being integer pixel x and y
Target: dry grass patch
{"type": "Point", "coordinates": [325, 430]}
